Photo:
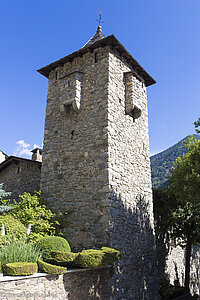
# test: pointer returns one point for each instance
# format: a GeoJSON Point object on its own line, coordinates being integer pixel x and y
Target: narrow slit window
{"type": "Point", "coordinates": [96, 58]}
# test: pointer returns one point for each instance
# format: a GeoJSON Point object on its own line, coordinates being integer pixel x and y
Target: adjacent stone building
{"type": "Point", "coordinates": [96, 158]}
{"type": "Point", "coordinates": [20, 175]}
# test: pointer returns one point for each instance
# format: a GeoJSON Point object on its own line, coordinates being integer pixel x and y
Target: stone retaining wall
{"type": "Point", "coordinates": [90, 284]}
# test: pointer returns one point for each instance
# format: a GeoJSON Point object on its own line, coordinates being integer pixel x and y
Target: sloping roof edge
{"type": "Point", "coordinates": [15, 159]}
{"type": "Point", "coordinates": [4, 154]}
{"type": "Point", "coordinates": [112, 41]}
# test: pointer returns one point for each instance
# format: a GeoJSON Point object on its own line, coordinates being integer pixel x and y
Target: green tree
{"type": "Point", "coordinates": [197, 124]}
{"type": "Point", "coordinates": [184, 187]}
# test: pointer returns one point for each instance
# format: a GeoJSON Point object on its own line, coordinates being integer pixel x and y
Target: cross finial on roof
{"type": "Point", "coordinates": [99, 20]}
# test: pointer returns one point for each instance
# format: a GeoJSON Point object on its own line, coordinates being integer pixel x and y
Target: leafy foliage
{"type": "Point", "coordinates": [14, 230]}
{"type": "Point", "coordinates": [185, 177]}
{"type": "Point", "coordinates": [19, 252]}
{"type": "Point", "coordinates": [31, 209]}
{"type": "Point", "coordinates": [162, 162]}
{"type": "Point", "coordinates": [197, 124]}
{"type": "Point", "coordinates": [186, 223]}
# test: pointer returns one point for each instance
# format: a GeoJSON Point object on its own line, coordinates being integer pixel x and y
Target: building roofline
{"type": "Point", "coordinates": [111, 41]}
{"type": "Point", "coordinates": [4, 153]}
{"type": "Point", "coordinates": [15, 159]}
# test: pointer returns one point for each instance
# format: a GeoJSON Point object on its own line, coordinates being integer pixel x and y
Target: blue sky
{"type": "Point", "coordinates": [163, 36]}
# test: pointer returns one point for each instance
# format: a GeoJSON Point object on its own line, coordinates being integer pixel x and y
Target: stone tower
{"type": "Point", "coordinates": [96, 158]}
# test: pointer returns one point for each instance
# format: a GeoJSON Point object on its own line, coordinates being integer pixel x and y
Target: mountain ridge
{"type": "Point", "coordinates": [162, 162]}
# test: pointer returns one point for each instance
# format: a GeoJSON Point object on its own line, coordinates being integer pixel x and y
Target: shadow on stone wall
{"type": "Point", "coordinates": [88, 284]}
{"type": "Point", "coordinates": [131, 232]}
{"type": "Point", "coordinates": [163, 246]}
{"type": "Point", "coordinates": [162, 230]}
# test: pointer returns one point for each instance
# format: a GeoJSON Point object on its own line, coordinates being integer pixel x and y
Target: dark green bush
{"type": "Point", "coordinates": [21, 268]}
{"type": "Point", "coordinates": [63, 258]}
{"type": "Point", "coordinates": [14, 230]}
{"type": "Point", "coordinates": [50, 269]}
{"type": "Point", "coordinates": [51, 243]}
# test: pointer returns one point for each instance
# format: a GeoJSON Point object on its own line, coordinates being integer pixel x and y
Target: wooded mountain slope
{"type": "Point", "coordinates": [162, 162]}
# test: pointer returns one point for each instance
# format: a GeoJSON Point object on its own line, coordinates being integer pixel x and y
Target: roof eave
{"type": "Point", "coordinates": [15, 159]}
{"type": "Point", "coordinates": [112, 41]}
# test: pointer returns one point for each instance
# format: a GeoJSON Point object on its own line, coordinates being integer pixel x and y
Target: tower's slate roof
{"type": "Point", "coordinates": [96, 41]}
{"type": "Point", "coordinates": [96, 37]}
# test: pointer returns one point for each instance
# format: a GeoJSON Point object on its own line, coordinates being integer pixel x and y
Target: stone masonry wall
{"type": "Point", "coordinates": [74, 285]}
{"type": "Point", "coordinates": [21, 177]}
{"type": "Point", "coordinates": [74, 169]}
{"type": "Point", "coordinates": [131, 206]}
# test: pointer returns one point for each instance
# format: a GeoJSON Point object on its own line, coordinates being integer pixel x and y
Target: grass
{"type": "Point", "coordinates": [19, 252]}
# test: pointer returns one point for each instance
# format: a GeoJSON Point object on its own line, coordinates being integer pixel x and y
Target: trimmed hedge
{"type": "Point", "coordinates": [66, 259]}
{"type": "Point", "coordinates": [97, 258]}
{"type": "Point", "coordinates": [90, 259]}
{"type": "Point", "coordinates": [111, 255]}
{"type": "Point", "coordinates": [51, 243]}
{"type": "Point", "coordinates": [86, 259]}
{"type": "Point", "coordinates": [21, 268]}
{"type": "Point", "coordinates": [50, 269]}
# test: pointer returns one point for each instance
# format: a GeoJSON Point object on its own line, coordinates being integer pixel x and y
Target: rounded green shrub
{"type": "Point", "coordinates": [51, 243]}
{"type": "Point", "coordinates": [50, 269]}
{"type": "Point", "coordinates": [14, 230]}
{"type": "Point", "coordinates": [21, 268]}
